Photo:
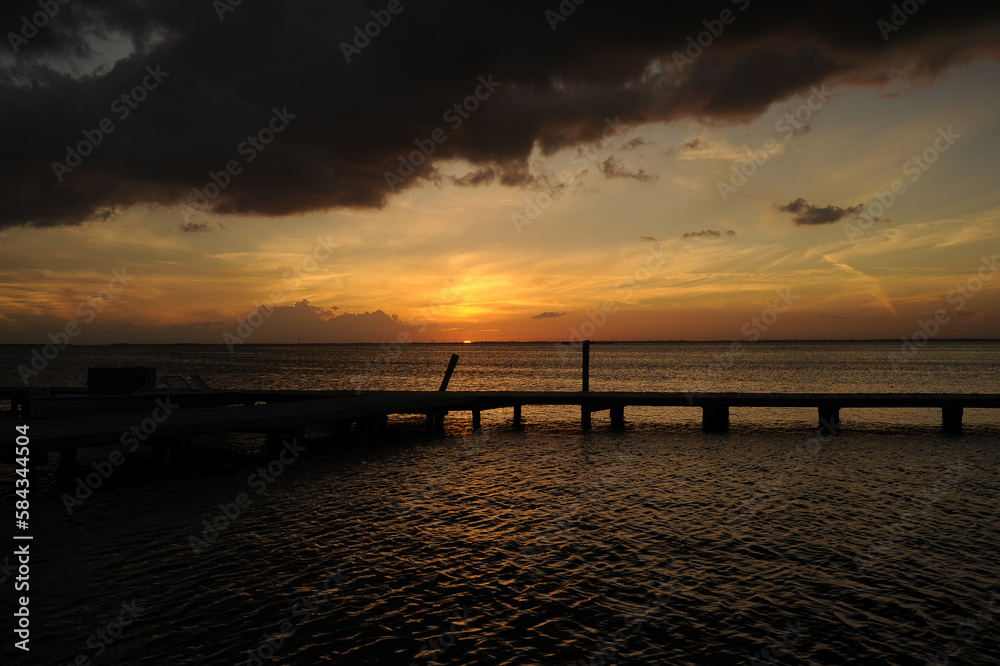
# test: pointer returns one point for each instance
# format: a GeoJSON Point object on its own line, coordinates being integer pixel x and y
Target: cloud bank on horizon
{"type": "Point", "coordinates": [275, 110]}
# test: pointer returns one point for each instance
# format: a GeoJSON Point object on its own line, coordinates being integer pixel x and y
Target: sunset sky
{"type": "Point", "coordinates": [590, 172]}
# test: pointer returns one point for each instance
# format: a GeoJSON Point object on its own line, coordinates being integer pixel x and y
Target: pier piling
{"type": "Point", "coordinates": [585, 409]}
{"type": "Point", "coordinates": [829, 420]}
{"type": "Point", "coordinates": [618, 417]}
{"type": "Point", "coordinates": [715, 418]}
{"type": "Point", "coordinates": [951, 419]}
{"type": "Point", "coordinates": [435, 421]}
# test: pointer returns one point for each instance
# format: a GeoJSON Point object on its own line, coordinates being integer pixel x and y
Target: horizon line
{"type": "Point", "coordinates": [494, 342]}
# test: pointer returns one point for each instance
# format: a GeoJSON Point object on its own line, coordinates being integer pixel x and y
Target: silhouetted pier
{"type": "Point", "coordinates": [284, 413]}
{"type": "Point", "coordinates": [167, 420]}
{"type": "Point", "coordinates": [113, 421]}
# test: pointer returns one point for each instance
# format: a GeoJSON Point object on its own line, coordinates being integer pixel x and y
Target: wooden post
{"type": "Point", "coordinates": [715, 418]}
{"type": "Point", "coordinates": [585, 417]}
{"type": "Point", "coordinates": [951, 419]}
{"type": "Point", "coordinates": [439, 421]}
{"type": "Point", "coordinates": [586, 365]}
{"type": "Point", "coordinates": [477, 419]}
{"type": "Point", "coordinates": [829, 420]}
{"type": "Point", "coordinates": [435, 420]}
{"type": "Point", "coordinates": [517, 416]}
{"type": "Point", "coordinates": [447, 374]}
{"type": "Point", "coordinates": [618, 417]}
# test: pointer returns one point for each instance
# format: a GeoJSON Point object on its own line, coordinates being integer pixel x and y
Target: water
{"type": "Point", "coordinates": [661, 544]}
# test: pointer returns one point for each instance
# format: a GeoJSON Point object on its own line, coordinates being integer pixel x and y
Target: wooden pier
{"type": "Point", "coordinates": [292, 411]}
{"type": "Point", "coordinates": [280, 414]}
{"type": "Point", "coordinates": [285, 414]}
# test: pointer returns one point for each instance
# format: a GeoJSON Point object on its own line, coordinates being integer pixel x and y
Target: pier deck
{"type": "Point", "coordinates": [290, 412]}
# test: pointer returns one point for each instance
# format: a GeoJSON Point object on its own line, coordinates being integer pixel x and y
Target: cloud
{"type": "Point", "coordinates": [717, 150]}
{"type": "Point", "coordinates": [648, 239]}
{"type": "Point", "coordinates": [549, 315]}
{"type": "Point", "coordinates": [511, 174]}
{"type": "Point", "coordinates": [352, 122]}
{"type": "Point", "coordinates": [709, 233]}
{"type": "Point", "coordinates": [635, 143]}
{"type": "Point", "coordinates": [806, 213]}
{"type": "Point", "coordinates": [693, 145]}
{"type": "Point", "coordinates": [280, 324]}
{"type": "Point", "coordinates": [194, 227]}
{"type": "Point", "coordinates": [864, 282]}
{"type": "Point", "coordinates": [613, 168]}
{"type": "Point", "coordinates": [314, 323]}
{"type": "Point", "coordinates": [484, 176]}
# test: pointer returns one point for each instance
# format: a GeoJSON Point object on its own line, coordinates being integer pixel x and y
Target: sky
{"type": "Point", "coordinates": [220, 172]}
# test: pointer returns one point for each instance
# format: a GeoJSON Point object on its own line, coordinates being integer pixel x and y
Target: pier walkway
{"type": "Point", "coordinates": [288, 412]}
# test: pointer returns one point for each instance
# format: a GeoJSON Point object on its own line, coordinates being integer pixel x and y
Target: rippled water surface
{"type": "Point", "coordinates": [660, 544]}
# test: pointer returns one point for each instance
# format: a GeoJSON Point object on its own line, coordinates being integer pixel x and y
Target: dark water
{"type": "Point", "coordinates": [544, 546]}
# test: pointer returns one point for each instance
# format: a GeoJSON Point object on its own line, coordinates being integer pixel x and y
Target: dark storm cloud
{"type": "Point", "coordinates": [549, 315]}
{"type": "Point", "coordinates": [806, 213]}
{"type": "Point", "coordinates": [346, 123]}
{"type": "Point", "coordinates": [194, 227]}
